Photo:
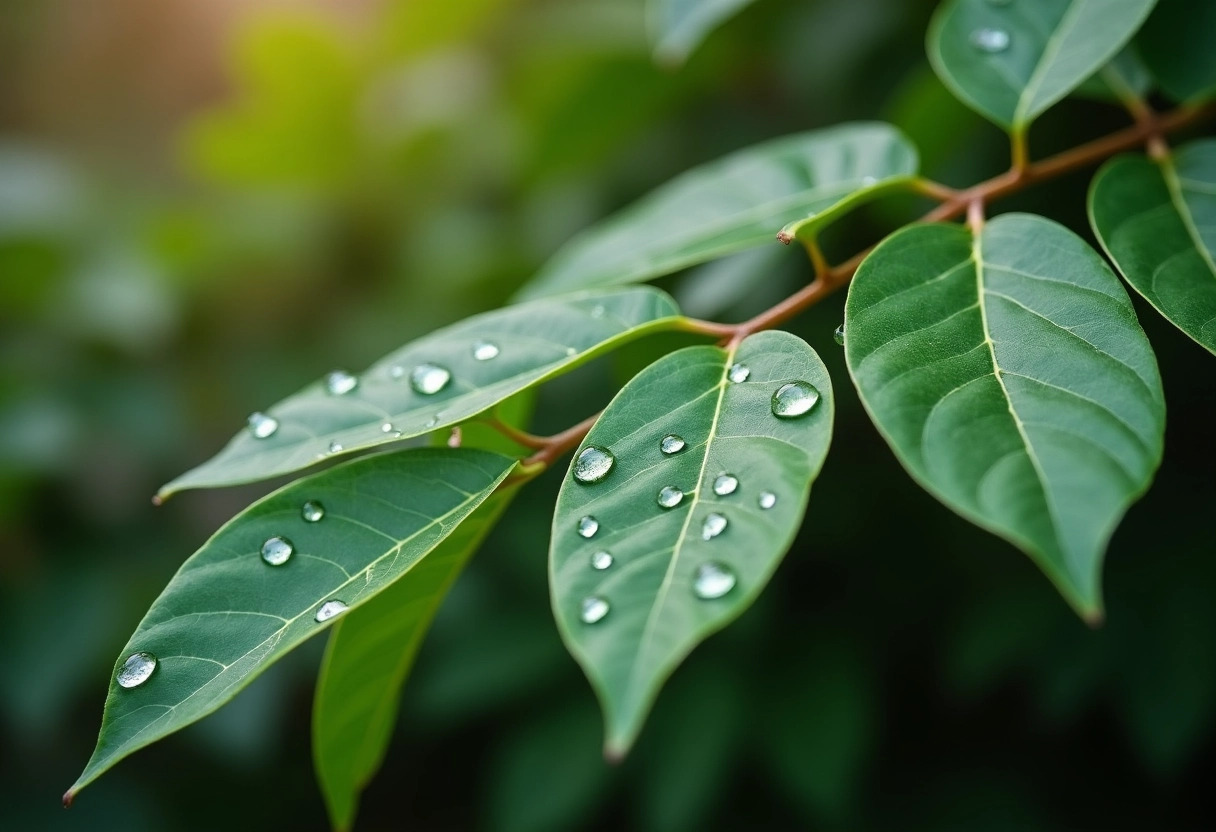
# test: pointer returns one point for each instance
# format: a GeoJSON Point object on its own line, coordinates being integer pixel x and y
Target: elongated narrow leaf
{"type": "Point", "coordinates": [735, 203]}
{"type": "Point", "coordinates": [1011, 378]}
{"type": "Point", "coordinates": [1011, 61]}
{"type": "Point", "coordinates": [677, 27]}
{"type": "Point", "coordinates": [1176, 44]}
{"type": "Point", "coordinates": [673, 575]}
{"type": "Point", "coordinates": [1157, 221]}
{"type": "Point", "coordinates": [228, 613]}
{"type": "Point", "coordinates": [368, 658]}
{"type": "Point", "coordinates": [462, 370]}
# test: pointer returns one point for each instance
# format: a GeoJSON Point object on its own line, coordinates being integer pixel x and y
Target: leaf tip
{"type": "Point", "coordinates": [1094, 617]}
{"type": "Point", "coordinates": [68, 797]}
{"type": "Point", "coordinates": [158, 500]}
{"type": "Point", "coordinates": [784, 237]}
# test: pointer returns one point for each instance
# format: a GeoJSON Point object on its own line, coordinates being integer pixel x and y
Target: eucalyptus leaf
{"type": "Point", "coordinates": [526, 344]}
{"type": "Point", "coordinates": [1157, 221]}
{"type": "Point", "coordinates": [734, 203]}
{"type": "Point", "coordinates": [1011, 61]}
{"type": "Point", "coordinates": [229, 613]}
{"type": "Point", "coordinates": [1176, 44]}
{"type": "Point", "coordinates": [1011, 378]}
{"type": "Point", "coordinates": [675, 574]}
{"type": "Point", "coordinates": [368, 657]}
{"type": "Point", "coordinates": [677, 27]}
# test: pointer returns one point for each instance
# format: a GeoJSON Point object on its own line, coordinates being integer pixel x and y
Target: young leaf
{"type": "Point", "coordinates": [436, 381]}
{"type": "Point", "coordinates": [1176, 44]}
{"type": "Point", "coordinates": [1157, 221]}
{"type": "Point", "coordinates": [729, 205]}
{"type": "Point", "coordinates": [677, 27]}
{"type": "Point", "coordinates": [1011, 378]}
{"type": "Point", "coordinates": [1011, 61]}
{"type": "Point", "coordinates": [368, 658]}
{"type": "Point", "coordinates": [342, 535]}
{"type": "Point", "coordinates": [678, 537]}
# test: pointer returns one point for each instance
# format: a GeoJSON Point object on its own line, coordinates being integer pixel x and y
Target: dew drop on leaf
{"type": "Point", "coordinates": [136, 670]}
{"type": "Point", "coordinates": [429, 379]}
{"type": "Point", "coordinates": [588, 526]}
{"type": "Point", "coordinates": [671, 444]}
{"type": "Point", "coordinates": [713, 526]}
{"type": "Point", "coordinates": [335, 447]}
{"type": "Point", "coordinates": [593, 464]}
{"type": "Point", "coordinates": [767, 500]}
{"type": "Point", "coordinates": [485, 350]}
{"type": "Point", "coordinates": [670, 496]}
{"type": "Point", "coordinates": [601, 560]}
{"type": "Point", "coordinates": [262, 426]}
{"type": "Point", "coordinates": [329, 609]}
{"type": "Point", "coordinates": [838, 335]}
{"type": "Point", "coordinates": [990, 40]}
{"type": "Point", "coordinates": [713, 580]}
{"type": "Point", "coordinates": [312, 511]}
{"type": "Point", "coordinates": [594, 609]}
{"type": "Point", "coordinates": [725, 484]}
{"type": "Point", "coordinates": [387, 427]}
{"type": "Point", "coordinates": [396, 371]}
{"type": "Point", "coordinates": [739, 373]}
{"type": "Point", "coordinates": [794, 399]}
{"type": "Point", "coordinates": [277, 550]}
{"type": "Point", "coordinates": [340, 382]}
{"type": "Point", "coordinates": [597, 311]}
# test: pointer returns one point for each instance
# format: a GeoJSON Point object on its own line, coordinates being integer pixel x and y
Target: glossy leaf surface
{"type": "Point", "coordinates": [657, 608]}
{"type": "Point", "coordinates": [677, 27]}
{"type": "Point", "coordinates": [534, 342]}
{"type": "Point", "coordinates": [1157, 221]}
{"type": "Point", "coordinates": [227, 614]}
{"type": "Point", "coordinates": [1011, 61]}
{"type": "Point", "coordinates": [1176, 44]}
{"type": "Point", "coordinates": [729, 205]}
{"type": "Point", "coordinates": [1010, 376]}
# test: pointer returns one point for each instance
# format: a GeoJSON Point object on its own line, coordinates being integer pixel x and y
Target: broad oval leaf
{"type": "Point", "coordinates": [531, 342]}
{"type": "Point", "coordinates": [729, 205]}
{"type": "Point", "coordinates": [1011, 378]}
{"type": "Point", "coordinates": [677, 27]}
{"type": "Point", "coordinates": [228, 614]}
{"type": "Point", "coordinates": [654, 614]}
{"type": "Point", "coordinates": [1011, 61]}
{"type": "Point", "coordinates": [1157, 221]}
{"type": "Point", "coordinates": [1176, 44]}
{"type": "Point", "coordinates": [368, 658]}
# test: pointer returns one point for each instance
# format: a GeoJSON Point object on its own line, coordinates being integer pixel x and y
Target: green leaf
{"type": "Point", "coordinates": [677, 27]}
{"type": "Point", "coordinates": [535, 342]}
{"type": "Point", "coordinates": [1157, 221]}
{"type": "Point", "coordinates": [368, 658]}
{"type": "Point", "coordinates": [1176, 44]}
{"type": "Point", "coordinates": [655, 616]}
{"type": "Point", "coordinates": [227, 614]}
{"type": "Point", "coordinates": [734, 203]}
{"type": "Point", "coordinates": [1124, 78]}
{"type": "Point", "coordinates": [1011, 378]}
{"type": "Point", "coordinates": [1011, 61]}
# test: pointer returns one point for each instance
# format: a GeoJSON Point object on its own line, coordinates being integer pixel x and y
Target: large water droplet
{"type": "Point", "coordinates": [670, 496]}
{"type": "Point", "coordinates": [713, 526]}
{"type": "Point", "coordinates": [739, 373]}
{"type": "Point", "coordinates": [429, 379]}
{"type": "Point", "coordinates": [725, 484]}
{"type": "Point", "coordinates": [262, 426]}
{"type": "Point", "coordinates": [767, 500]}
{"type": "Point", "coordinates": [671, 444]}
{"type": "Point", "coordinates": [136, 670]}
{"type": "Point", "coordinates": [601, 560]}
{"type": "Point", "coordinates": [593, 464]}
{"type": "Point", "coordinates": [277, 550]}
{"type": "Point", "coordinates": [387, 427]}
{"type": "Point", "coordinates": [340, 382]}
{"type": "Point", "coordinates": [990, 40]}
{"type": "Point", "coordinates": [594, 609]}
{"type": "Point", "coordinates": [312, 511]}
{"type": "Point", "coordinates": [713, 580]}
{"type": "Point", "coordinates": [329, 609]}
{"type": "Point", "coordinates": [838, 335]}
{"type": "Point", "coordinates": [485, 350]}
{"type": "Point", "coordinates": [335, 447]}
{"type": "Point", "coordinates": [588, 526]}
{"type": "Point", "coordinates": [794, 399]}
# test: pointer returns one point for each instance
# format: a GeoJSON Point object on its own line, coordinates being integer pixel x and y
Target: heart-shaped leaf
{"type": "Point", "coordinates": [675, 533]}
{"type": "Point", "coordinates": [1011, 61]}
{"type": "Point", "coordinates": [1157, 221]}
{"type": "Point", "coordinates": [439, 380]}
{"type": "Point", "coordinates": [274, 575]}
{"type": "Point", "coordinates": [1011, 378]}
{"type": "Point", "coordinates": [677, 27]}
{"type": "Point", "coordinates": [732, 204]}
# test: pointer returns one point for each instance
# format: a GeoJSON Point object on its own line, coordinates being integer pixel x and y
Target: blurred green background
{"type": "Point", "coordinates": [206, 204]}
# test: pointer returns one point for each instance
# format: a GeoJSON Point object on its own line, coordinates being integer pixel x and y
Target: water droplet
{"type": "Point", "coordinates": [571, 351]}
{"type": "Point", "coordinates": [838, 335]}
{"type": "Point", "coordinates": [329, 609]}
{"type": "Point", "coordinates": [262, 426]}
{"type": "Point", "coordinates": [990, 40]}
{"type": "Point", "coordinates": [335, 447]}
{"type": "Point", "coordinates": [670, 496]}
{"type": "Point", "coordinates": [739, 373]}
{"type": "Point", "coordinates": [429, 379]}
{"type": "Point", "coordinates": [725, 484]}
{"type": "Point", "coordinates": [767, 500]}
{"type": "Point", "coordinates": [396, 371]}
{"type": "Point", "coordinates": [713, 580]}
{"type": "Point", "coordinates": [867, 181]}
{"type": "Point", "coordinates": [588, 526]}
{"type": "Point", "coordinates": [713, 526]}
{"type": "Point", "coordinates": [601, 560]}
{"type": "Point", "coordinates": [671, 444]}
{"type": "Point", "coordinates": [593, 464]}
{"type": "Point", "coordinates": [594, 609]}
{"type": "Point", "coordinates": [277, 550]}
{"type": "Point", "coordinates": [431, 422]}
{"type": "Point", "coordinates": [312, 511]}
{"type": "Point", "coordinates": [340, 382]}
{"type": "Point", "coordinates": [794, 399]}
{"type": "Point", "coordinates": [485, 350]}
{"type": "Point", "coordinates": [387, 427]}
{"type": "Point", "coordinates": [136, 670]}
{"type": "Point", "coordinates": [597, 311]}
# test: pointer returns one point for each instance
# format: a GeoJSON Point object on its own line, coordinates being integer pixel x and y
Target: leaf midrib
{"type": "Point", "coordinates": [1050, 49]}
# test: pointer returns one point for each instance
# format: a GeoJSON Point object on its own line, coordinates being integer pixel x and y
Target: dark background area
{"type": "Point", "coordinates": [206, 204]}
